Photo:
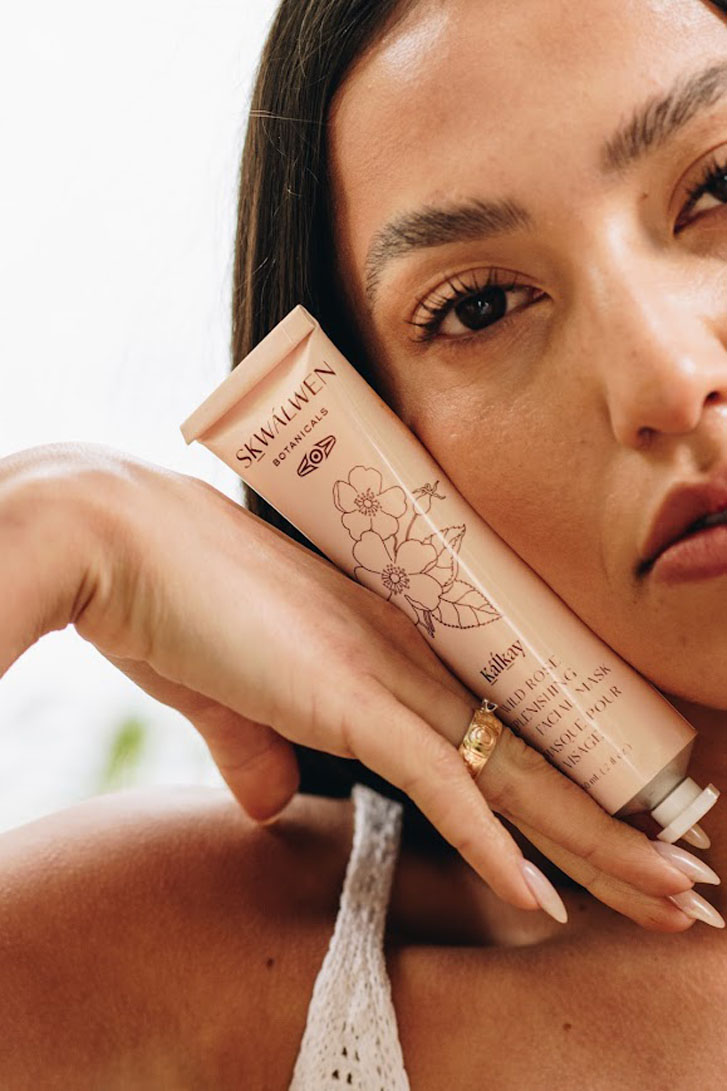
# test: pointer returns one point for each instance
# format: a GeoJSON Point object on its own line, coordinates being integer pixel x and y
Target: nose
{"type": "Point", "coordinates": [658, 345]}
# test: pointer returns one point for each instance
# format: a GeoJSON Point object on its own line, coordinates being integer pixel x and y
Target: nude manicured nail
{"type": "Point", "coordinates": [544, 892]}
{"type": "Point", "coordinates": [685, 862]}
{"type": "Point", "coordinates": [697, 837]}
{"type": "Point", "coordinates": [697, 907]}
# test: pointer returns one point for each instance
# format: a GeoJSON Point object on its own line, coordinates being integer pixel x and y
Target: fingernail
{"type": "Point", "coordinates": [698, 908]}
{"type": "Point", "coordinates": [544, 892]}
{"type": "Point", "coordinates": [697, 837]}
{"type": "Point", "coordinates": [685, 862]}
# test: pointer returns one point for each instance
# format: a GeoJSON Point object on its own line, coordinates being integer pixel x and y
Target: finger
{"type": "Point", "coordinates": [448, 709]}
{"type": "Point", "coordinates": [259, 767]}
{"type": "Point", "coordinates": [653, 914]}
{"type": "Point", "coordinates": [524, 787]}
{"type": "Point", "coordinates": [521, 784]}
{"type": "Point", "coordinates": [401, 747]}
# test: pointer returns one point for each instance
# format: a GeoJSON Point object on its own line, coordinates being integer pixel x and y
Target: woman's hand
{"type": "Point", "coordinates": [260, 643]}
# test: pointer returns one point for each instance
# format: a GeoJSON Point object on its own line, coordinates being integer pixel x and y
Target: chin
{"type": "Point", "coordinates": [714, 698]}
{"type": "Point", "coordinates": [678, 643]}
{"type": "Point", "coordinates": [694, 671]}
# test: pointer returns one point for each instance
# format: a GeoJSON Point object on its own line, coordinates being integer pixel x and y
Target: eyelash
{"type": "Point", "coordinates": [713, 171]}
{"type": "Point", "coordinates": [439, 305]}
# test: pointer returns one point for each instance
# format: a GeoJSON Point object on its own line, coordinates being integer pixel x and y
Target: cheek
{"type": "Point", "coordinates": [530, 471]}
{"type": "Point", "coordinates": [541, 472]}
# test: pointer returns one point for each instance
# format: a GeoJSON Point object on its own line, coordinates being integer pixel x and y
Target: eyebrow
{"type": "Point", "coordinates": [651, 125]}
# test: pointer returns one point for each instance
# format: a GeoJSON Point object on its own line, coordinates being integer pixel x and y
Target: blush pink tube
{"type": "Point", "coordinates": [298, 423]}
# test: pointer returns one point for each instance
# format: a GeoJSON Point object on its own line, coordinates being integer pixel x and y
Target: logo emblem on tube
{"type": "Point", "coordinates": [317, 454]}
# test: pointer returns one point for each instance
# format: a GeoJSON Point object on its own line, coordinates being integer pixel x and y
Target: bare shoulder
{"type": "Point", "coordinates": [159, 938]}
{"type": "Point", "coordinates": [599, 1003]}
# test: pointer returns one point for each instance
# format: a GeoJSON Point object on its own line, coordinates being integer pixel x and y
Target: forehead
{"type": "Point", "coordinates": [470, 97]}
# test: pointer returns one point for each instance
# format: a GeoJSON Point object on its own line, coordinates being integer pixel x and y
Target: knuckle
{"type": "Point", "coordinates": [509, 770]}
{"type": "Point", "coordinates": [652, 920]}
{"type": "Point", "coordinates": [517, 774]}
{"type": "Point", "coordinates": [349, 732]}
{"type": "Point", "coordinates": [522, 757]}
{"type": "Point", "coordinates": [657, 917]}
{"type": "Point", "coordinates": [591, 853]}
{"type": "Point", "coordinates": [650, 913]}
{"type": "Point", "coordinates": [598, 884]}
{"type": "Point", "coordinates": [481, 840]}
{"type": "Point", "coordinates": [351, 654]}
{"type": "Point", "coordinates": [353, 711]}
{"type": "Point", "coordinates": [433, 779]}
{"type": "Point", "coordinates": [358, 641]}
{"type": "Point", "coordinates": [401, 627]}
{"type": "Point", "coordinates": [388, 621]}
{"type": "Point", "coordinates": [465, 844]}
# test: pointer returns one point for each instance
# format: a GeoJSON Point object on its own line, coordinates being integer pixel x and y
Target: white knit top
{"type": "Point", "coordinates": [351, 1037]}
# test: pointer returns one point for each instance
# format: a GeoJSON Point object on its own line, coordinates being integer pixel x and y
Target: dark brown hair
{"type": "Point", "coordinates": [284, 248]}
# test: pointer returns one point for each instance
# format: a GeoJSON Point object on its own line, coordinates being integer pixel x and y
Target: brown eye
{"type": "Point", "coordinates": [714, 192]}
{"type": "Point", "coordinates": [718, 188]}
{"type": "Point", "coordinates": [717, 183]}
{"type": "Point", "coordinates": [471, 308]}
{"type": "Point", "coordinates": [711, 192]}
{"type": "Point", "coordinates": [481, 310]}
{"type": "Point", "coordinates": [484, 308]}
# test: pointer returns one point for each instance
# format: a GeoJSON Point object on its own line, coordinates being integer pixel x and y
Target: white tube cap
{"type": "Point", "coordinates": [683, 808]}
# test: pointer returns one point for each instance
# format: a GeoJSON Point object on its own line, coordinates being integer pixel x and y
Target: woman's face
{"type": "Point", "coordinates": [564, 408]}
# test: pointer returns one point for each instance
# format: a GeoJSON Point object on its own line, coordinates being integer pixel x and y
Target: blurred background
{"type": "Point", "coordinates": [121, 132]}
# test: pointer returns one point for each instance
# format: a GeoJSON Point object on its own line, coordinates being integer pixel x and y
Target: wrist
{"type": "Point", "coordinates": [47, 546]}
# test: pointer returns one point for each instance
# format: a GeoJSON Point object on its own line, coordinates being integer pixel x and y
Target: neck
{"type": "Point", "coordinates": [709, 765]}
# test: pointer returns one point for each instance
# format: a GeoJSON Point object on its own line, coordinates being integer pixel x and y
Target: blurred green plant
{"type": "Point", "coordinates": [125, 756]}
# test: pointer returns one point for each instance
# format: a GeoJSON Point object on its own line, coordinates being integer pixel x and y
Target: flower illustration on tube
{"type": "Point", "coordinates": [398, 573]}
{"type": "Point", "coordinates": [418, 573]}
{"type": "Point", "coordinates": [367, 505]}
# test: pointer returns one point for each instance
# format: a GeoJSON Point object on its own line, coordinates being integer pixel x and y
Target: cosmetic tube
{"type": "Point", "coordinates": [298, 423]}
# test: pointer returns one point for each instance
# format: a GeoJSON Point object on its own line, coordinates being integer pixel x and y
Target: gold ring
{"type": "Point", "coordinates": [480, 738]}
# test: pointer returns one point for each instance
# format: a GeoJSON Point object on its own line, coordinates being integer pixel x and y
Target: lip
{"type": "Point", "coordinates": [701, 556]}
{"type": "Point", "coordinates": [682, 506]}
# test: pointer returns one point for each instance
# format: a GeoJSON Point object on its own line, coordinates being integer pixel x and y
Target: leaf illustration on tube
{"type": "Point", "coordinates": [447, 544]}
{"type": "Point", "coordinates": [423, 616]}
{"type": "Point", "coordinates": [464, 607]}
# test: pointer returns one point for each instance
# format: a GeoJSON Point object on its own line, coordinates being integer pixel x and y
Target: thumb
{"type": "Point", "coordinates": [258, 765]}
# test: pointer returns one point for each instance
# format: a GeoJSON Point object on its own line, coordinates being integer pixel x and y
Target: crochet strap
{"type": "Point", "coordinates": [351, 1038]}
